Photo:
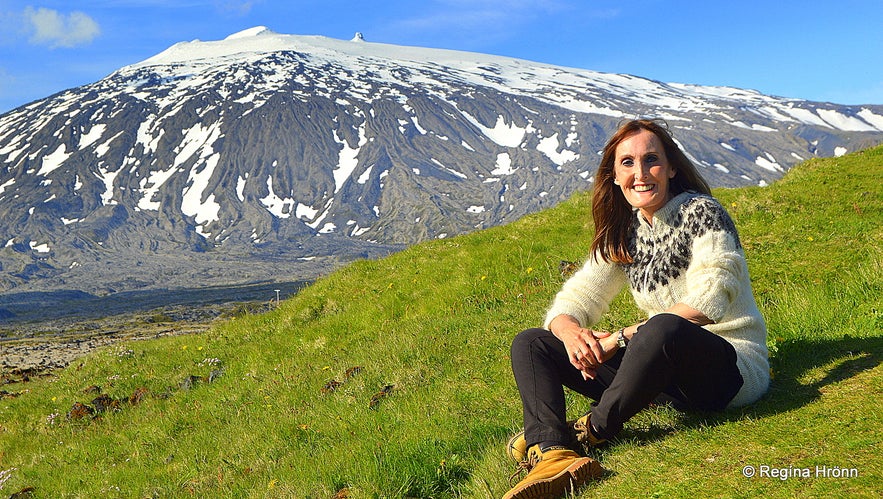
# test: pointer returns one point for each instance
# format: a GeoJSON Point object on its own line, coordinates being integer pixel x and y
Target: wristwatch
{"type": "Point", "coordinates": [620, 339]}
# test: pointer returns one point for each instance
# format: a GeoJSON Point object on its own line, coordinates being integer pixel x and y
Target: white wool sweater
{"type": "Point", "coordinates": [691, 254]}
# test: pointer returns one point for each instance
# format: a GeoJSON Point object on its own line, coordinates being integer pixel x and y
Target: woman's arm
{"type": "Point", "coordinates": [587, 294]}
{"type": "Point", "coordinates": [689, 313]}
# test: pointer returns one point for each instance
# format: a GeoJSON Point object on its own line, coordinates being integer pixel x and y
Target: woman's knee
{"type": "Point", "coordinates": [665, 322]}
{"type": "Point", "coordinates": [521, 342]}
{"type": "Point", "coordinates": [658, 331]}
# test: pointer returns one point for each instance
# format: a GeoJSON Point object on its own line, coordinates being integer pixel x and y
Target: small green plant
{"type": "Point", "coordinates": [243, 309]}
{"type": "Point", "coordinates": [159, 318]}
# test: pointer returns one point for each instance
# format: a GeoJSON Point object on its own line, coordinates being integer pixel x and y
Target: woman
{"type": "Point", "coordinates": [659, 231]}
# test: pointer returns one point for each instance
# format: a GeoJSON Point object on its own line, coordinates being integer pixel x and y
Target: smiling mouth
{"type": "Point", "coordinates": [644, 188]}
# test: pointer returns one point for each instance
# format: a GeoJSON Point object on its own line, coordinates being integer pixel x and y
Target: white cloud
{"type": "Point", "coordinates": [52, 28]}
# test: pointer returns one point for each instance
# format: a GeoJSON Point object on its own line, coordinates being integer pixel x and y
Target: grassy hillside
{"type": "Point", "coordinates": [391, 378]}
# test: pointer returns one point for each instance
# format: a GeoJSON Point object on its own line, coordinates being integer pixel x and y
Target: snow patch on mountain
{"type": "Point", "coordinates": [280, 207]}
{"type": "Point", "coordinates": [842, 122]}
{"type": "Point", "coordinates": [503, 165]}
{"type": "Point", "coordinates": [506, 135]}
{"type": "Point", "coordinates": [196, 202]}
{"type": "Point", "coordinates": [348, 159]}
{"type": "Point", "coordinates": [92, 136]}
{"type": "Point", "coordinates": [876, 120]}
{"type": "Point", "coordinates": [107, 177]}
{"type": "Point", "coordinates": [550, 145]}
{"type": "Point", "coordinates": [768, 162]}
{"type": "Point", "coordinates": [54, 160]}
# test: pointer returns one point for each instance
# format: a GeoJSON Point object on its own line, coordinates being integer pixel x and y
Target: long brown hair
{"type": "Point", "coordinates": [610, 210]}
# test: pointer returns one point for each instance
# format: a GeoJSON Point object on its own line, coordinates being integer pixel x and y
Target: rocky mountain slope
{"type": "Point", "coordinates": [268, 156]}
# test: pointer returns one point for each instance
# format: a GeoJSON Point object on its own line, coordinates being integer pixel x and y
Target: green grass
{"type": "Point", "coordinates": [435, 322]}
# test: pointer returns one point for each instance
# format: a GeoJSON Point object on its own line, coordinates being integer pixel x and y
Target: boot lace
{"type": "Point", "coordinates": [525, 466]}
{"type": "Point", "coordinates": [582, 430]}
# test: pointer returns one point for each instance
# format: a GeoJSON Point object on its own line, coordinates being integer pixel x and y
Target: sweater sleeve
{"type": "Point", "coordinates": [716, 272]}
{"type": "Point", "coordinates": [586, 296]}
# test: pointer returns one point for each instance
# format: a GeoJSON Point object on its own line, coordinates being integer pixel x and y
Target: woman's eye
{"type": "Point", "coordinates": [627, 162]}
{"type": "Point", "coordinates": [652, 158]}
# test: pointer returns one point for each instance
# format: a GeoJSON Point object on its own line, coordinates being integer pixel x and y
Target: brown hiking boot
{"type": "Point", "coordinates": [516, 447]}
{"type": "Point", "coordinates": [553, 473]}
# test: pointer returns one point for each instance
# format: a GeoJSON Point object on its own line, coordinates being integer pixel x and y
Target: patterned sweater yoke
{"type": "Point", "coordinates": [690, 254]}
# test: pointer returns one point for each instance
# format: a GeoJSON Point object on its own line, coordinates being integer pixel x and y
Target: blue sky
{"type": "Point", "coordinates": [821, 50]}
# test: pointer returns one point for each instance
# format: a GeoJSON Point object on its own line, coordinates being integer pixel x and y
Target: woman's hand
{"type": "Point", "coordinates": [584, 348]}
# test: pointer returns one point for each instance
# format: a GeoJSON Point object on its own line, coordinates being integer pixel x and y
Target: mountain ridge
{"type": "Point", "coordinates": [266, 155]}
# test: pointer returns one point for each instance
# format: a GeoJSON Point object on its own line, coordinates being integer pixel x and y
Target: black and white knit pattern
{"type": "Point", "coordinates": [663, 251]}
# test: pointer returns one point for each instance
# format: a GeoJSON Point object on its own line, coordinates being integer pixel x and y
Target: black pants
{"type": "Point", "coordinates": [669, 360]}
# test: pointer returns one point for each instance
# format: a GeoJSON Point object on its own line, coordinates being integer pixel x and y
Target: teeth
{"type": "Point", "coordinates": [643, 188]}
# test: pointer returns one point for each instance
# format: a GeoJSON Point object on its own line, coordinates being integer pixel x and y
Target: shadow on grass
{"type": "Point", "coordinates": [795, 384]}
{"type": "Point", "coordinates": [796, 360]}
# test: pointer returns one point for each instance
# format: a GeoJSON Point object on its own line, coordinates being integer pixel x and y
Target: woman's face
{"type": "Point", "coordinates": [642, 171]}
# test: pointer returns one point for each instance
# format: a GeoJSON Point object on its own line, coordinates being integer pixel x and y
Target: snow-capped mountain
{"type": "Point", "coordinates": [264, 155]}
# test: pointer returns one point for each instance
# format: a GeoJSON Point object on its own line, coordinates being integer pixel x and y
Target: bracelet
{"type": "Point", "coordinates": [620, 338]}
